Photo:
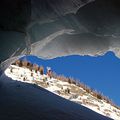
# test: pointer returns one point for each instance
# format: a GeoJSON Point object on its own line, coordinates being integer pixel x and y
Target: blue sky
{"type": "Point", "coordinates": [101, 73]}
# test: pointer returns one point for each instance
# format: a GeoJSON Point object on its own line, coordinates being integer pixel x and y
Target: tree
{"type": "Point", "coordinates": [41, 69]}
{"type": "Point", "coordinates": [35, 67]}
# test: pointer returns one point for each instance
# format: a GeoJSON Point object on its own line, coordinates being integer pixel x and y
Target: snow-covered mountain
{"type": "Point", "coordinates": [69, 91]}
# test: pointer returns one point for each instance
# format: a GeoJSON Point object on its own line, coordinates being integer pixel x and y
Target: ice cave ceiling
{"type": "Point", "coordinates": [52, 28]}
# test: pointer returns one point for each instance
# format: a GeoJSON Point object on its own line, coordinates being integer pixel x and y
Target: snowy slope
{"type": "Point", "coordinates": [23, 101]}
{"type": "Point", "coordinates": [25, 98]}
